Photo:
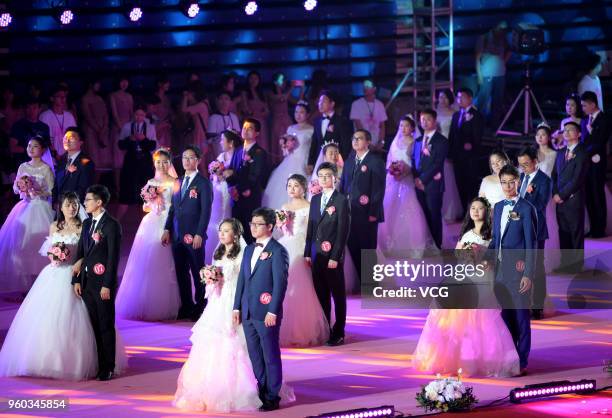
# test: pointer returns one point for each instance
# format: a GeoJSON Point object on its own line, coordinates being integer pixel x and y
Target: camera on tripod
{"type": "Point", "coordinates": [528, 39]}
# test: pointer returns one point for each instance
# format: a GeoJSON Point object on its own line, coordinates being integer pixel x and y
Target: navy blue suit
{"type": "Point", "coordinates": [364, 186]}
{"type": "Point", "coordinates": [73, 181]}
{"type": "Point", "coordinates": [258, 293]}
{"type": "Point", "coordinates": [188, 216]}
{"type": "Point", "coordinates": [430, 170]}
{"type": "Point", "coordinates": [516, 247]}
{"type": "Point", "coordinates": [541, 189]}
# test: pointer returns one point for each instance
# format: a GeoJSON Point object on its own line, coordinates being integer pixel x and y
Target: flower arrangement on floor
{"type": "Point", "coordinates": [446, 394]}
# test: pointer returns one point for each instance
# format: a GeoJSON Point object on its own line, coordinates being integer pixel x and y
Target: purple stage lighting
{"type": "Point", "coordinates": [66, 17]}
{"type": "Point", "coordinates": [385, 411]}
{"type": "Point", "coordinates": [544, 390]}
{"type": "Point", "coordinates": [135, 14]}
{"type": "Point", "coordinates": [250, 8]}
{"type": "Point", "coordinates": [309, 5]}
{"type": "Point", "coordinates": [5, 20]}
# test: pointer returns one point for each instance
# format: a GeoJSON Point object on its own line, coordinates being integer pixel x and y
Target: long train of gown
{"type": "Point", "coordinates": [51, 334]}
{"type": "Point", "coordinates": [149, 290]}
{"type": "Point", "coordinates": [475, 340]}
{"type": "Point", "coordinates": [24, 229]}
{"type": "Point", "coordinates": [304, 323]}
{"type": "Point", "coordinates": [218, 376]}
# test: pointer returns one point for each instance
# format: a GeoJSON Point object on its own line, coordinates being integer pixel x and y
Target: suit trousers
{"type": "Point", "coordinates": [265, 354]}
{"type": "Point", "coordinates": [570, 217]}
{"type": "Point", "coordinates": [329, 284]}
{"type": "Point", "coordinates": [186, 261]}
{"type": "Point", "coordinates": [539, 280]}
{"type": "Point", "coordinates": [362, 236]}
{"type": "Point", "coordinates": [102, 316]}
{"type": "Point", "coordinates": [431, 202]}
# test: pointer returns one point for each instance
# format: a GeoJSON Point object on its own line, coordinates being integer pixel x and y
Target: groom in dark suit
{"type": "Point", "coordinates": [95, 274]}
{"type": "Point", "coordinates": [258, 303]}
{"type": "Point", "coordinates": [75, 171]}
{"type": "Point", "coordinates": [186, 225]}
{"type": "Point", "coordinates": [429, 152]}
{"type": "Point", "coordinates": [514, 242]}
{"type": "Point", "coordinates": [536, 188]}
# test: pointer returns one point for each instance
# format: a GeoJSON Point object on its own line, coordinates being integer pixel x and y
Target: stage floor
{"type": "Point", "coordinates": [371, 369]}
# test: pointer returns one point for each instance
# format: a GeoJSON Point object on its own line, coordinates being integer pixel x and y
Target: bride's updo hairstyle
{"type": "Point", "coordinates": [408, 118]}
{"type": "Point", "coordinates": [72, 197]}
{"type": "Point", "coordinates": [233, 137]}
{"type": "Point", "coordinates": [238, 231]}
{"type": "Point", "coordinates": [468, 223]}
{"type": "Point", "coordinates": [304, 104]}
{"type": "Point", "coordinates": [301, 180]}
{"type": "Point", "coordinates": [165, 152]}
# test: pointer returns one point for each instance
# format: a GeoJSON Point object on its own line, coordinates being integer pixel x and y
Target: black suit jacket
{"type": "Point", "coordinates": [339, 130]}
{"type": "Point", "coordinates": [539, 197]}
{"type": "Point", "coordinates": [331, 227]}
{"type": "Point", "coordinates": [430, 168]}
{"type": "Point", "coordinates": [597, 140]}
{"type": "Point", "coordinates": [470, 131]}
{"type": "Point", "coordinates": [569, 177]}
{"type": "Point", "coordinates": [190, 214]}
{"type": "Point", "coordinates": [100, 259]}
{"type": "Point", "coordinates": [76, 180]}
{"type": "Point", "coordinates": [250, 174]}
{"type": "Point", "coordinates": [366, 180]}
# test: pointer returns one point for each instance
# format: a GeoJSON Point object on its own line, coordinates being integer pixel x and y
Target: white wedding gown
{"type": "Point", "coordinates": [24, 230]}
{"type": "Point", "coordinates": [404, 233]}
{"type": "Point", "coordinates": [51, 334]}
{"type": "Point", "coordinates": [149, 290]}
{"type": "Point", "coordinates": [304, 323]}
{"type": "Point", "coordinates": [275, 194]}
{"type": "Point", "coordinates": [221, 209]}
{"type": "Point", "coordinates": [475, 340]}
{"type": "Point", "coordinates": [218, 376]}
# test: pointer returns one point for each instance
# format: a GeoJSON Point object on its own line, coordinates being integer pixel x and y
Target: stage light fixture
{"type": "Point", "coordinates": [5, 19]}
{"type": "Point", "coordinates": [135, 14]}
{"type": "Point", "coordinates": [190, 8]}
{"type": "Point", "coordinates": [65, 16]}
{"type": "Point", "coordinates": [385, 411]}
{"type": "Point", "coordinates": [309, 5]}
{"type": "Point", "coordinates": [543, 390]}
{"type": "Point", "coordinates": [132, 9]}
{"type": "Point", "coordinates": [250, 8]}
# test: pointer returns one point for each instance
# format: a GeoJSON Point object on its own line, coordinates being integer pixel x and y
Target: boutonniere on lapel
{"type": "Point", "coordinates": [425, 150]}
{"type": "Point", "coordinates": [438, 176]}
{"type": "Point", "coordinates": [514, 216]}
{"type": "Point", "coordinates": [531, 188]}
{"type": "Point", "coordinates": [469, 116]}
{"type": "Point", "coordinates": [326, 246]}
{"type": "Point", "coordinates": [330, 128]}
{"type": "Point", "coordinates": [265, 255]}
{"type": "Point", "coordinates": [247, 158]}
{"type": "Point", "coordinates": [193, 193]}
{"type": "Point", "coordinates": [330, 210]}
{"type": "Point", "coordinates": [97, 237]}
{"type": "Point", "coordinates": [570, 156]}
{"type": "Point", "coordinates": [364, 168]}
{"type": "Point", "coordinates": [72, 168]}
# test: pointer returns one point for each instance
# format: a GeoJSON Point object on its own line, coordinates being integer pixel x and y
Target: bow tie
{"type": "Point", "coordinates": [258, 244]}
{"type": "Point", "coordinates": [508, 202]}
{"type": "Point", "coordinates": [326, 117]}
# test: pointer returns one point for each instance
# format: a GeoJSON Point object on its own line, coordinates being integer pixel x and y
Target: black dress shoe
{"type": "Point", "coordinates": [269, 406]}
{"type": "Point", "coordinates": [104, 376]}
{"type": "Point", "coordinates": [537, 314]}
{"type": "Point", "coordinates": [333, 342]}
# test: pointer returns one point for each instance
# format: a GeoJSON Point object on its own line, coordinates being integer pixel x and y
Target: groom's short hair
{"type": "Point", "coordinates": [255, 122]}
{"type": "Point", "coordinates": [268, 215]}
{"type": "Point", "coordinates": [509, 170]}
{"type": "Point", "coordinates": [196, 150]}
{"type": "Point", "coordinates": [328, 166]}
{"type": "Point", "coordinates": [100, 192]}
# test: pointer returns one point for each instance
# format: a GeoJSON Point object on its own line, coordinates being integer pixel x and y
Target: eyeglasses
{"type": "Point", "coordinates": [256, 224]}
{"type": "Point", "coordinates": [325, 176]}
{"type": "Point", "coordinates": [190, 158]}
{"type": "Point", "coordinates": [90, 199]}
{"type": "Point", "coordinates": [508, 183]}
{"type": "Point", "coordinates": [356, 138]}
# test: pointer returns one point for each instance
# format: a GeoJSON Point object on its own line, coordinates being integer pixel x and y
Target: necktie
{"type": "Point", "coordinates": [93, 227]}
{"type": "Point", "coordinates": [425, 143]}
{"type": "Point", "coordinates": [567, 154]}
{"type": "Point", "coordinates": [184, 186]}
{"type": "Point", "coordinates": [524, 186]}
{"type": "Point", "coordinates": [326, 117]}
{"type": "Point", "coordinates": [461, 115]}
{"type": "Point", "coordinates": [324, 199]}
{"type": "Point", "coordinates": [508, 202]}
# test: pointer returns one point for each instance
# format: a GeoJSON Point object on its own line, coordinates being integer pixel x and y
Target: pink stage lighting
{"type": "Point", "coordinates": [543, 390]}
{"type": "Point", "coordinates": [5, 20]}
{"type": "Point", "coordinates": [250, 8]}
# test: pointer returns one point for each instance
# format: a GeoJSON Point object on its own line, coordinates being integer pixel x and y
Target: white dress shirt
{"type": "Point", "coordinates": [325, 124]}
{"type": "Point", "coordinates": [257, 252]}
{"type": "Point", "coordinates": [504, 221]}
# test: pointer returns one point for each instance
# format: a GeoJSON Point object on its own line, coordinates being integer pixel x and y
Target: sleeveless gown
{"type": "Point", "coordinates": [51, 334]}
{"type": "Point", "coordinates": [24, 230]}
{"type": "Point", "coordinates": [218, 376]}
{"type": "Point", "coordinates": [221, 209]}
{"type": "Point", "coordinates": [304, 323]}
{"type": "Point", "coordinates": [149, 290]}
{"type": "Point", "coordinates": [475, 340]}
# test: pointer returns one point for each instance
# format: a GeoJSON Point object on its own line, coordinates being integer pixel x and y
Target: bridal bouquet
{"type": "Point", "coordinates": [284, 220]}
{"type": "Point", "coordinates": [216, 168]}
{"type": "Point", "coordinates": [314, 187]}
{"type": "Point", "coordinates": [152, 198]}
{"type": "Point", "coordinates": [58, 253]}
{"type": "Point", "coordinates": [399, 169]}
{"type": "Point", "coordinates": [27, 187]}
{"type": "Point", "coordinates": [446, 394]}
{"type": "Point", "coordinates": [210, 274]}
{"type": "Point", "coordinates": [288, 144]}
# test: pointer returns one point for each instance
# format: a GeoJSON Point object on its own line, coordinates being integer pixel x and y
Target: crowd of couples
{"type": "Point", "coordinates": [270, 275]}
